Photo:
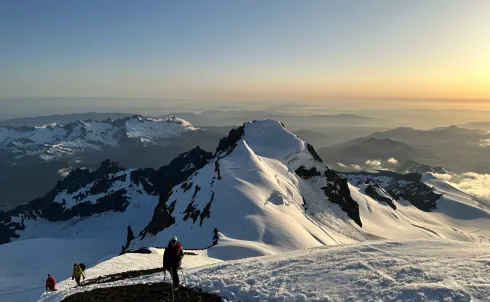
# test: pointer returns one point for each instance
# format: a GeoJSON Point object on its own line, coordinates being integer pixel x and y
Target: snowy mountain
{"type": "Point", "coordinates": [54, 141]}
{"type": "Point", "coordinates": [264, 191]}
{"type": "Point", "coordinates": [99, 204]}
{"type": "Point", "coordinates": [134, 142]}
{"type": "Point", "coordinates": [267, 191]}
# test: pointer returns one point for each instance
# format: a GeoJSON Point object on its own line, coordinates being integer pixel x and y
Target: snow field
{"type": "Point", "coordinates": [417, 270]}
{"type": "Point", "coordinates": [25, 264]}
{"type": "Point", "coordinates": [378, 271]}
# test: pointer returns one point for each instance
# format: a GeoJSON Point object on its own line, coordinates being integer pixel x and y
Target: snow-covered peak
{"type": "Point", "coordinates": [253, 196]}
{"type": "Point", "coordinates": [266, 191]}
{"type": "Point", "coordinates": [57, 141]}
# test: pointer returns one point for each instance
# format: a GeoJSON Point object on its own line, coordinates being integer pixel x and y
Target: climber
{"type": "Point", "coordinates": [77, 273]}
{"type": "Point", "coordinates": [50, 283]}
{"type": "Point", "coordinates": [172, 259]}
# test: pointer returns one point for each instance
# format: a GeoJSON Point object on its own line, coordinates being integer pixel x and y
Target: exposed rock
{"type": "Point", "coordinates": [337, 191]}
{"type": "Point", "coordinates": [307, 173]}
{"type": "Point", "coordinates": [407, 186]}
{"type": "Point", "coordinates": [229, 142]}
{"type": "Point", "coordinates": [142, 292]}
{"type": "Point", "coordinates": [158, 183]}
{"type": "Point", "coordinates": [313, 153]}
{"type": "Point", "coordinates": [371, 190]}
{"type": "Point", "coordinates": [206, 212]}
{"type": "Point", "coordinates": [216, 168]}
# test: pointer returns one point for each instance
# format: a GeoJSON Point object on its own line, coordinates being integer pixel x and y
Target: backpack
{"type": "Point", "coordinates": [82, 266]}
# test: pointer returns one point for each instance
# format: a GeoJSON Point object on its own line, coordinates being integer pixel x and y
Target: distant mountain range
{"type": "Point", "coordinates": [32, 159]}
{"type": "Point", "coordinates": [52, 142]}
{"type": "Point", "coordinates": [457, 148]}
{"type": "Point", "coordinates": [64, 118]}
{"type": "Point", "coordinates": [477, 125]}
{"type": "Point", "coordinates": [359, 150]}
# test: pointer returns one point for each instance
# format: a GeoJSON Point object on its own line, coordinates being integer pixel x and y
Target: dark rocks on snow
{"type": "Point", "coordinates": [126, 274]}
{"type": "Point", "coordinates": [196, 189]}
{"type": "Point", "coordinates": [186, 186]}
{"type": "Point", "coordinates": [305, 205]}
{"type": "Point", "coordinates": [407, 186]}
{"type": "Point", "coordinates": [164, 214]}
{"type": "Point", "coordinates": [143, 250]}
{"type": "Point", "coordinates": [216, 168]}
{"type": "Point", "coordinates": [154, 182]}
{"type": "Point", "coordinates": [229, 142]}
{"type": "Point", "coordinates": [155, 292]}
{"type": "Point", "coordinates": [191, 212]}
{"type": "Point", "coordinates": [337, 191]}
{"type": "Point", "coordinates": [371, 192]}
{"type": "Point", "coordinates": [206, 212]}
{"type": "Point", "coordinates": [166, 176]}
{"type": "Point", "coordinates": [138, 292]}
{"type": "Point", "coordinates": [129, 237]}
{"type": "Point", "coordinates": [313, 153]}
{"type": "Point", "coordinates": [307, 173]}
{"type": "Point", "coordinates": [215, 236]}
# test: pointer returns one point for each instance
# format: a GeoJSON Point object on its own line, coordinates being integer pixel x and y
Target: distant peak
{"type": "Point", "coordinates": [137, 117]}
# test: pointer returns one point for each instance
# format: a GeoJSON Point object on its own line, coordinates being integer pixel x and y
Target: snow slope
{"type": "Point", "coordinates": [456, 215]}
{"type": "Point", "coordinates": [268, 193]}
{"type": "Point", "coordinates": [419, 270]}
{"type": "Point", "coordinates": [54, 141]}
{"type": "Point", "coordinates": [25, 264]}
{"type": "Point", "coordinates": [252, 196]}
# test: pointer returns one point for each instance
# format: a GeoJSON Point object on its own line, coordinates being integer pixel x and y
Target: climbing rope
{"type": "Point", "coordinates": [22, 291]}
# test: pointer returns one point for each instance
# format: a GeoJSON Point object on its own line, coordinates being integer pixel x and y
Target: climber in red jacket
{"type": "Point", "coordinates": [50, 283]}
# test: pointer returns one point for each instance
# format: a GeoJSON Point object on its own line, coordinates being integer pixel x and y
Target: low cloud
{"type": "Point", "coordinates": [379, 164]}
{"type": "Point", "coordinates": [485, 143]}
{"type": "Point", "coordinates": [374, 164]}
{"type": "Point", "coordinates": [471, 183]}
{"type": "Point", "coordinates": [357, 167]}
{"type": "Point", "coordinates": [341, 165]}
{"type": "Point", "coordinates": [392, 161]}
{"type": "Point", "coordinates": [64, 172]}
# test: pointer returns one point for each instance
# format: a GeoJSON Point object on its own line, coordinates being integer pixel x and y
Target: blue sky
{"type": "Point", "coordinates": [244, 49]}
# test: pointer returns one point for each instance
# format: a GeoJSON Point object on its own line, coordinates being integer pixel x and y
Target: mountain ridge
{"type": "Point", "coordinates": [263, 191]}
{"type": "Point", "coordinates": [52, 142]}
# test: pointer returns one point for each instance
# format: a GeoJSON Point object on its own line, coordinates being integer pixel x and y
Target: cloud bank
{"type": "Point", "coordinates": [471, 183]}
{"type": "Point", "coordinates": [485, 142]}
{"type": "Point", "coordinates": [374, 164]}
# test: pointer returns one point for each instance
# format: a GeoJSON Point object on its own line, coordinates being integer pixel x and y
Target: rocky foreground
{"type": "Point", "coordinates": [138, 292]}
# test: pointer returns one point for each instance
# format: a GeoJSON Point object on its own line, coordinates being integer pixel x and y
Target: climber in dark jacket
{"type": "Point", "coordinates": [172, 259]}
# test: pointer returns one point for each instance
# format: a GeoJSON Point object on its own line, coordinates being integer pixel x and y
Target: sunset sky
{"type": "Point", "coordinates": [245, 49]}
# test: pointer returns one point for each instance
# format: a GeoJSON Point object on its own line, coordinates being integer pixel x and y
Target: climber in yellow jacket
{"type": "Point", "coordinates": [77, 273]}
